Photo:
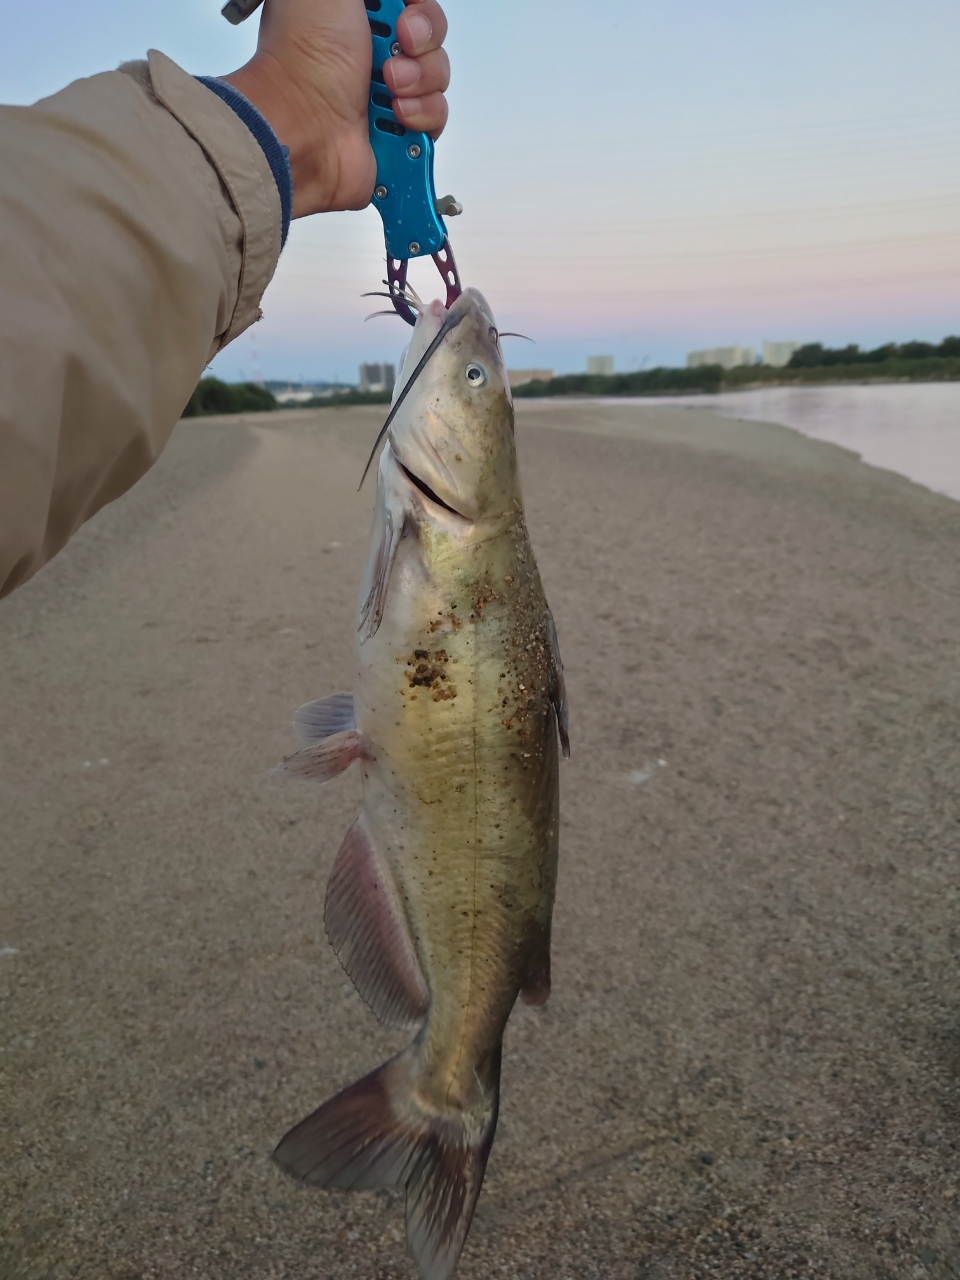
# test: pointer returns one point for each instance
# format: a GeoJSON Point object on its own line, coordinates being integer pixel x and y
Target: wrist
{"type": "Point", "coordinates": [259, 87]}
{"type": "Point", "coordinates": [314, 139]}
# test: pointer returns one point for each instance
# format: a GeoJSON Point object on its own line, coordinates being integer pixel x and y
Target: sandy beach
{"type": "Point", "coordinates": [750, 1063]}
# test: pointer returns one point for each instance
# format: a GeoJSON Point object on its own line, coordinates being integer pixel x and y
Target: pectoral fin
{"type": "Point", "coordinates": [367, 927]}
{"type": "Point", "coordinates": [326, 759]}
{"type": "Point", "coordinates": [371, 611]}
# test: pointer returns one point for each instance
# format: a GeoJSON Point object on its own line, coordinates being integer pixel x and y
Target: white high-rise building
{"type": "Point", "coordinates": [777, 354]}
{"type": "Point", "coordinates": [377, 377]}
{"type": "Point", "coordinates": [726, 357]}
{"type": "Point", "coordinates": [602, 365]}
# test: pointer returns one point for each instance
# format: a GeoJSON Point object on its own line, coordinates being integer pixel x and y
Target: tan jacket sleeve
{"type": "Point", "coordinates": [139, 226]}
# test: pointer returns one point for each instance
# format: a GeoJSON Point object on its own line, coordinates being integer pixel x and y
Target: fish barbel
{"type": "Point", "coordinates": [440, 899]}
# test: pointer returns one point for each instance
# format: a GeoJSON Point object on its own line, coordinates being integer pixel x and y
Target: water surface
{"type": "Point", "coordinates": [912, 428]}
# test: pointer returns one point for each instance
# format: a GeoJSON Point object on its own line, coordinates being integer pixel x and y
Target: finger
{"type": "Point", "coordinates": [429, 73]}
{"type": "Point", "coordinates": [422, 27]}
{"type": "Point", "coordinates": [425, 115]}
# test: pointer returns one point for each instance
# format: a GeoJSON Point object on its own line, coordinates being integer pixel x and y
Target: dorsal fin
{"type": "Point", "coordinates": [315, 721]}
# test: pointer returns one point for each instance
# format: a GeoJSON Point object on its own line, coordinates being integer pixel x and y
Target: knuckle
{"type": "Point", "coordinates": [428, 113]}
{"type": "Point", "coordinates": [434, 72]}
{"type": "Point", "coordinates": [435, 111]}
{"type": "Point", "coordinates": [439, 70]}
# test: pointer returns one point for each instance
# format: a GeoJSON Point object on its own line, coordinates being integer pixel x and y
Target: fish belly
{"type": "Point", "coordinates": [461, 798]}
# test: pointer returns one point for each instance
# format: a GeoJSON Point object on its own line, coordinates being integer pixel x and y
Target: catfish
{"type": "Point", "coordinates": [440, 900]}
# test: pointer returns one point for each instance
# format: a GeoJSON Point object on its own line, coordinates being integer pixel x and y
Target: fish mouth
{"type": "Point", "coordinates": [427, 491]}
{"type": "Point", "coordinates": [450, 321]}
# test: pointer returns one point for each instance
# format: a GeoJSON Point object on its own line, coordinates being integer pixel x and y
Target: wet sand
{"type": "Point", "coordinates": [750, 1063]}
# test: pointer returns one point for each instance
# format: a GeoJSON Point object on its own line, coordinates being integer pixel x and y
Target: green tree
{"type": "Point", "coordinates": [210, 395]}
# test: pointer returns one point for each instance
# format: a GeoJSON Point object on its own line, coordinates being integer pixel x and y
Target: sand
{"type": "Point", "coordinates": [749, 1063]}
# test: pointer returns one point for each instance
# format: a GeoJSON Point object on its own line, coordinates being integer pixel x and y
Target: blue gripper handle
{"type": "Point", "coordinates": [404, 194]}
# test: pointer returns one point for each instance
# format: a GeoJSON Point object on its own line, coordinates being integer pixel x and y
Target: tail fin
{"type": "Point", "coordinates": [376, 1133]}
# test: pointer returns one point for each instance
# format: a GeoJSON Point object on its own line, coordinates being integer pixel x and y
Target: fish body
{"type": "Point", "coordinates": [440, 900]}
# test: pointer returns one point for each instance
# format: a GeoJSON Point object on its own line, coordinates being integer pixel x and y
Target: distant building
{"type": "Point", "coordinates": [517, 377]}
{"type": "Point", "coordinates": [377, 377]}
{"type": "Point", "coordinates": [726, 357]}
{"type": "Point", "coordinates": [301, 392]}
{"type": "Point", "coordinates": [600, 365]}
{"type": "Point", "coordinates": [293, 395]}
{"type": "Point", "coordinates": [777, 354]}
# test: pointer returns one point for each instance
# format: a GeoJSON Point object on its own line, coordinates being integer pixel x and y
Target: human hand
{"type": "Point", "coordinates": [310, 79]}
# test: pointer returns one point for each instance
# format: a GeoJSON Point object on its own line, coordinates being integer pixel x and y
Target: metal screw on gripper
{"type": "Point", "coordinates": [395, 48]}
{"type": "Point", "coordinates": [414, 248]}
{"type": "Point", "coordinates": [380, 192]}
{"type": "Point", "coordinates": [413, 150]}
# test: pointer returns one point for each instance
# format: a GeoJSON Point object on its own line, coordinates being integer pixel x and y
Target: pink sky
{"type": "Point", "coordinates": [636, 180]}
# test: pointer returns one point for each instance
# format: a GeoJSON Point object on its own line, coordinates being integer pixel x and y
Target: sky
{"type": "Point", "coordinates": [638, 179]}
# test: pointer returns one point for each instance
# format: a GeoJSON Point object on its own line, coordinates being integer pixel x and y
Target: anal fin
{"type": "Point", "coordinates": [367, 927]}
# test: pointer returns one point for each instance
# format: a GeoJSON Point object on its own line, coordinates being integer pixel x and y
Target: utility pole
{"type": "Point", "coordinates": [255, 359]}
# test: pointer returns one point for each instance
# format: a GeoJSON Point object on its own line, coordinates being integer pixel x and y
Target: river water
{"type": "Point", "coordinates": [909, 427]}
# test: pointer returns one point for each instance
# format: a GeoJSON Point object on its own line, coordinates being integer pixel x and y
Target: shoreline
{"type": "Point", "coordinates": [912, 430]}
{"type": "Point", "coordinates": [723, 389]}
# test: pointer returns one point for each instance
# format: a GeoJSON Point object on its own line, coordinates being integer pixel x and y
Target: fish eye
{"type": "Point", "coordinates": [476, 375]}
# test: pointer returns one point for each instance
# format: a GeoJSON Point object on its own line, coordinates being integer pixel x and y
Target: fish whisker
{"type": "Point", "coordinates": [395, 298]}
{"type": "Point", "coordinates": [449, 323]}
{"type": "Point", "coordinates": [377, 293]}
{"type": "Point", "coordinates": [409, 293]}
{"type": "Point", "coordinates": [518, 335]}
{"type": "Point", "coordinates": [373, 315]}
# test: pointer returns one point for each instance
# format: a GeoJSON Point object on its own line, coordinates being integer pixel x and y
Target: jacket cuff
{"type": "Point", "coordinates": [278, 157]}
{"type": "Point", "coordinates": [244, 171]}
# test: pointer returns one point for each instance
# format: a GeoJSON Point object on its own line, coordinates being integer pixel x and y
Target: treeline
{"type": "Point", "coordinates": [648, 382]}
{"type": "Point", "coordinates": [210, 395]}
{"type": "Point", "coordinates": [342, 398]}
{"type": "Point", "coordinates": [213, 396]}
{"type": "Point", "coordinates": [811, 364]}
{"type": "Point", "coordinates": [930, 369]}
{"type": "Point", "coordinates": [813, 355]}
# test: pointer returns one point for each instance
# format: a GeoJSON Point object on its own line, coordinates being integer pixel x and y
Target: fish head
{"type": "Point", "coordinates": [451, 431]}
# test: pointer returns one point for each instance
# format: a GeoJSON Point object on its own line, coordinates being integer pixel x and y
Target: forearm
{"type": "Point", "coordinates": [140, 226]}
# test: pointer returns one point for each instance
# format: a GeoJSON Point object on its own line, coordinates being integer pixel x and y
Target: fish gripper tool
{"type": "Point", "coordinates": [404, 194]}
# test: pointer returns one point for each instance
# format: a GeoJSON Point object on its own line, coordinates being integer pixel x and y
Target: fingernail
{"type": "Point", "coordinates": [404, 72]}
{"type": "Point", "coordinates": [419, 30]}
